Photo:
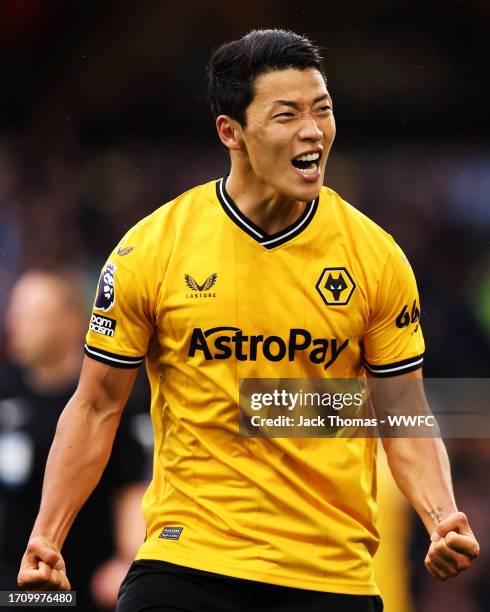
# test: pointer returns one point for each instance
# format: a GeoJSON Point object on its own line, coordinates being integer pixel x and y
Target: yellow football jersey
{"type": "Point", "coordinates": [208, 298]}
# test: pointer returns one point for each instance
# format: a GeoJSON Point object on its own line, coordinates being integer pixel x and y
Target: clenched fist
{"type": "Point", "coordinates": [42, 567]}
{"type": "Point", "coordinates": [453, 547]}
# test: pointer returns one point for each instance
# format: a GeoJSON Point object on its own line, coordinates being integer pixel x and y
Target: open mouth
{"type": "Point", "coordinates": [308, 163]}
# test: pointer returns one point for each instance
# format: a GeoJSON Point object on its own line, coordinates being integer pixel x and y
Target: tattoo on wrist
{"type": "Point", "coordinates": [437, 514]}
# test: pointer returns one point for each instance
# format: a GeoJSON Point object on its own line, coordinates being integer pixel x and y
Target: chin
{"type": "Point", "coordinates": [294, 188]}
{"type": "Point", "coordinates": [305, 193]}
{"type": "Point", "coordinates": [304, 190]}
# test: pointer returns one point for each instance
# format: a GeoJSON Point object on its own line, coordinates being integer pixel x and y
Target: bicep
{"type": "Point", "coordinates": [397, 393]}
{"type": "Point", "coordinates": [105, 387]}
{"type": "Point", "coordinates": [415, 374]}
{"type": "Point", "coordinates": [401, 396]}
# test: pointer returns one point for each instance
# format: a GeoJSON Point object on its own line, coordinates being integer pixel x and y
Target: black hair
{"type": "Point", "coordinates": [234, 66]}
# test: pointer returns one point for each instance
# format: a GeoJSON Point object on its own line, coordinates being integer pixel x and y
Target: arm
{"type": "Point", "coordinates": [420, 467]}
{"type": "Point", "coordinates": [78, 456]}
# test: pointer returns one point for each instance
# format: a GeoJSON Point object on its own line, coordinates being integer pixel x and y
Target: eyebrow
{"type": "Point", "coordinates": [295, 105]}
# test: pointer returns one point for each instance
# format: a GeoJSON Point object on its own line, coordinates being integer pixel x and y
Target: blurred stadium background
{"type": "Point", "coordinates": [103, 117]}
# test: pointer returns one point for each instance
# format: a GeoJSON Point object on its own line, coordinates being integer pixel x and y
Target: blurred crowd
{"type": "Point", "coordinates": [98, 133]}
{"type": "Point", "coordinates": [62, 211]}
{"type": "Point", "coordinates": [74, 208]}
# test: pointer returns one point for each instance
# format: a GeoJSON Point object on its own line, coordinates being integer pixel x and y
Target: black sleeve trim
{"type": "Point", "coordinates": [117, 361]}
{"type": "Point", "coordinates": [397, 368]}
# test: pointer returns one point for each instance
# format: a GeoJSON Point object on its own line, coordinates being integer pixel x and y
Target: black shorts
{"type": "Point", "coordinates": [157, 586]}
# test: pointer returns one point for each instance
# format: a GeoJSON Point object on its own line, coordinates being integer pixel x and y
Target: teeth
{"type": "Point", "coordinates": [311, 170]}
{"type": "Point", "coordinates": [308, 157]}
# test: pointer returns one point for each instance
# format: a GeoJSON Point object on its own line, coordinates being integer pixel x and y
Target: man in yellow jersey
{"type": "Point", "coordinates": [262, 274]}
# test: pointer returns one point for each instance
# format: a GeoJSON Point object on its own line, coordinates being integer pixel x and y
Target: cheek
{"type": "Point", "coordinates": [19, 328]}
{"type": "Point", "coordinates": [267, 148]}
{"type": "Point", "coordinates": [272, 155]}
{"type": "Point", "coordinates": [35, 329]}
{"type": "Point", "coordinates": [331, 129]}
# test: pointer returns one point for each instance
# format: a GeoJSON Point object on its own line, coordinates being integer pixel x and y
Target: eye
{"type": "Point", "coordinates": [285, 114]}
{"type": "Point", "coordinates": [324, 109]}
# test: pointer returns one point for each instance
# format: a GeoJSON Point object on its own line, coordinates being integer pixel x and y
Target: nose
{"type": "Point", "coordinates": [309, 130]}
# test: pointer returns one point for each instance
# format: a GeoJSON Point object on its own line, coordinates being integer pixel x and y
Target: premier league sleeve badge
{"type": "Point", "coordinates": [106, 291]}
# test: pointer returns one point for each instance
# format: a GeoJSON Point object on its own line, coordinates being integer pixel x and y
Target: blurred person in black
{"type": "Point", "coordinates": [45, 325]}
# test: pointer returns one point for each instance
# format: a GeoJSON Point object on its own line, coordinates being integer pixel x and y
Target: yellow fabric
{"type": "Point", "coordinates": [293, 512]}
{"type": "Point", "coordinates": [391, 568]}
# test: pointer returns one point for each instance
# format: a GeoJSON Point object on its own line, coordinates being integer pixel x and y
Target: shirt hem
{"type": "Point", "coordinates": [327, 586]}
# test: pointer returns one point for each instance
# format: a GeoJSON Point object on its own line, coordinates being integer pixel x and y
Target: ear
{"type": "Point", "coordinates": [230, 132]}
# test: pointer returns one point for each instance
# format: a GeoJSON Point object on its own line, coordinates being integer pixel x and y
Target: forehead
{"type": "Point", "coordinates": [300, 86]}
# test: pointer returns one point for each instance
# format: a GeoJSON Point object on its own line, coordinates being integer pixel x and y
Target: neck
{"type": "Point", "coordinates": [260, 203]}
{"type": "Point", "coordinates": [56, 375]}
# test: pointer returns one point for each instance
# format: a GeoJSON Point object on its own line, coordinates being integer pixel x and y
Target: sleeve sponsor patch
{"type": "Point", "coordinates": [103, 325]}
{"type": "Point", "coordinates": [405, 317]}
{"type": "Point", "coordinates": [106, 295]}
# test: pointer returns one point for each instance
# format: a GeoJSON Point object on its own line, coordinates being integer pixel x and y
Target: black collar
{"type": "Point", "coordinates": [269, 241]}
